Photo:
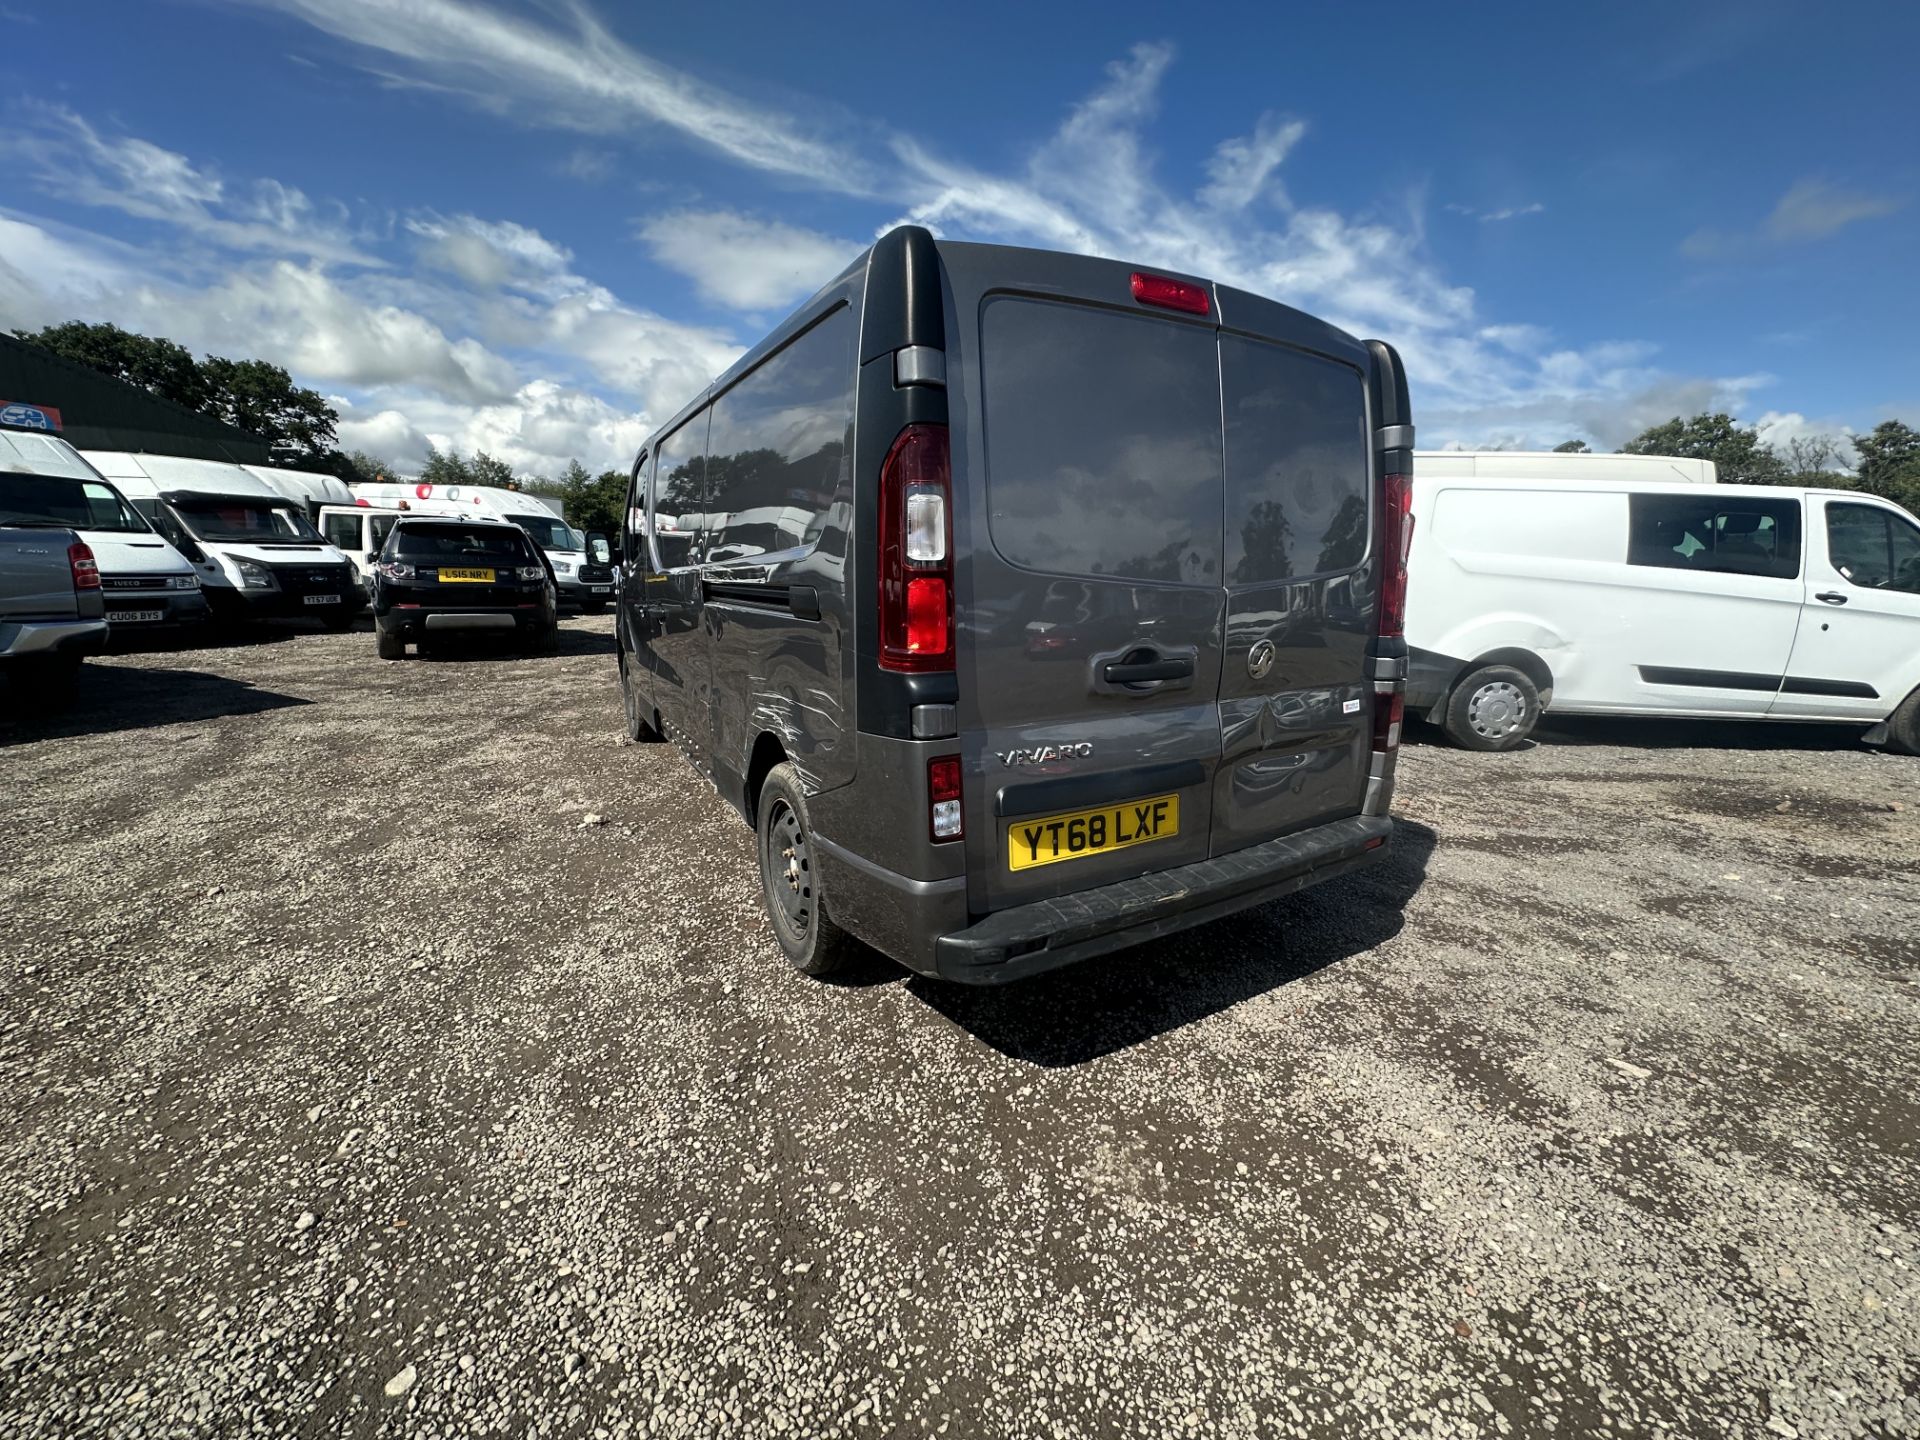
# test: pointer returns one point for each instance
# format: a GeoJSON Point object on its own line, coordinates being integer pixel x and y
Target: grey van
{"type": "Point", "coordinates": [1028, 605]}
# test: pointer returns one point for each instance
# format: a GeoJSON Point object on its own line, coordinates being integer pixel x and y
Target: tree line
{"type": "Point", "coordinates": [301, 431]}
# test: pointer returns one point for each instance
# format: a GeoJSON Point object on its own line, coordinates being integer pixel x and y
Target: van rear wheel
{"type": "Point", "coordinates": [1493, 708]}
{"type": "Point", "coordinates": [791, 880]}
{"type": "Point", "coordinates": [1903, 727]}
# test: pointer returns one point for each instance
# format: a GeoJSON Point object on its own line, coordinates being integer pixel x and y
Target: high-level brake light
{"type": "Point", "coordinates": [1171, 294]}
{"type": "Point", "coordinates": [916, 552]}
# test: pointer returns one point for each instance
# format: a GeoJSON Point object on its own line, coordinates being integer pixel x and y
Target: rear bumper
{"type": "Point", "coordinates": [1028, 939]}
{"type": "Point", "coordinates": [30, 639]}
{"type": "Point", "coordinates": [411, 624]}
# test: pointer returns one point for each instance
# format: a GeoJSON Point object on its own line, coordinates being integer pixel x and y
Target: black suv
{"type": "Point", "coordinates": [440, 577]}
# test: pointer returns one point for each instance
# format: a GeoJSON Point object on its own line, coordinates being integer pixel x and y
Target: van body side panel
{"type": "Point", "coordinates": [779, 500]}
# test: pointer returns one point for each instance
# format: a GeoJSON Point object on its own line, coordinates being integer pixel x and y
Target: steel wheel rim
{"type": "Point", "coordinates": [1497, 710]}
{"type": "Point", "coordinates": [788, 862]}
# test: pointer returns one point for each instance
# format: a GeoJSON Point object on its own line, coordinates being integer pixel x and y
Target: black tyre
{"type": "Point", "coordinates": [1903, 727]}
{"type": "Point", "coordinates": [791, 881]}
{"type": "Point", "coordinates": [390, 647]}
{"type": "Point", "coordinates": [545, 640]}
{"type": "Point", "coordinates": [640, 727]}
{"type": "Point", "coordinates": [1492, 708]}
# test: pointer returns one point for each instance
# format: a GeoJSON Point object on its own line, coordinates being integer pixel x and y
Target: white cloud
{"type": "Point", "coordinates": [748, 264]}
{"type": "Point", "coordinates": [586, 79]}
{"type": "Point", "coordinates": [536, 430]}
{"type": "Point", "coordinates": [1510, 212]}
{"type": "Point", "coordinates": [79, 164]}
{"type": "Point", "coordinates": [1780, 429]}
{"type": "Point", "coordinates": [1241, 170]}
{"type": "Point", "coordinates": [490, 253]}
{"type": "Point", "coordinates": [1812, 209]}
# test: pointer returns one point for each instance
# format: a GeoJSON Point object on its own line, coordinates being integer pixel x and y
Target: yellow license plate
{"type": "Point", "coordinates": [483, 577]}
{"type": "Point", "coordinates": [1081, 833]}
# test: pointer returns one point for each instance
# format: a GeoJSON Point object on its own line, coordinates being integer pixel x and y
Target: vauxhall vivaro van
{"type": "Point", "coordinates": [1659, 596]}
{"type": "Point", "coordinates": [1028, 605]}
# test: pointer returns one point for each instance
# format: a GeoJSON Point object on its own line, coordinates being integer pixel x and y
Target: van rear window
{"type": "Point", "coordinates": [1296, 463]}
{"type": "Point", "coordinates": [1103, 441]}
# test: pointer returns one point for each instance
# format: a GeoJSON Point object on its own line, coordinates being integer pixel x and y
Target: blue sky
{"type": "Point", "coordinates": [536, 229]}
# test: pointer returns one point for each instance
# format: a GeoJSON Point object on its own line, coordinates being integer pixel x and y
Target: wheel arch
{"type": "Point", "coordinates": [768, 751]}
{"type": "Point", "coordinates": [1520, 658]}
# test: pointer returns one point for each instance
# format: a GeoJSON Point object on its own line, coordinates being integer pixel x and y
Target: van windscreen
{"type": "Point", "coordinates": [243, 520]}
{"type": "Point", "coordinates": [1103, 441]}
{"type": "Point", "coordinates": [549, 533]}
{"type": "Point", "coordinates": [62, 500]}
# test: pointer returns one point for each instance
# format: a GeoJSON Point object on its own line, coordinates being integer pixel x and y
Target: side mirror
{"type": "Point", "coordinates": [599, 548]}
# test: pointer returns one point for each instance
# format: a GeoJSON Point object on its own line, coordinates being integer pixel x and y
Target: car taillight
{"type": "Point", "coordinates": [1396, 544]}
{"type": "Point", "coordinates": [86, 570]}
{"type": "Point", "coordinates": [395, 569]}
{"type": "Point", "coordinates": [1389, 712]}
{"type": "Point", "coordinates": [943, 797]}
{"type": "Point", "coordinates": [916, 552]}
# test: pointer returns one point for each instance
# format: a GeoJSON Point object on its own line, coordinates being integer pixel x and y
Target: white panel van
{"type": "Point", "coordinates": [1671, 598]}
{"type": "Point", "coordinates": [255, 551]}
{"type": "Point", "coordinates": [145, 582]}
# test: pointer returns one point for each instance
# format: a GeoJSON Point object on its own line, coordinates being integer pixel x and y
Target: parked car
{"type": "Point", "coordinates": [1660, 598]}
{"type": "Point", "coordinates": [257, 555]}
{"type": "Point", "coordinates": [51, 613]}
{"type": "Point", "coordinates": [148, 586]}
{"type": "Point", "coordinates": [439, 576]}
{"type": "Point", "coordinates": [991, 684]}
{"type": "Point", "coordinates": [585, 581]}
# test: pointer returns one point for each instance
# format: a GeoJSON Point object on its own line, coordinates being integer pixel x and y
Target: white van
{"type": "Point", "coordinates": [584, 580]}
{"type": "Point", "coordinates": [1659, 598]}
{"type": "Point", "coordinates": [1560, 465]}
{"type": "Point", "coordinates": [309, 489]}
{"type": "Point", "coordinates": [145, 582]}
{"type": "Point", "coordinates": [357, 530]}
{"type": "Point", "coordinates": [255, 551]}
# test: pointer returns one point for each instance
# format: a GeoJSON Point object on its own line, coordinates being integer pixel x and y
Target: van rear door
{"type": "Point", "coordinates": [1296, 711]}
{"type": "Point", "coordinates": [1088, 500]}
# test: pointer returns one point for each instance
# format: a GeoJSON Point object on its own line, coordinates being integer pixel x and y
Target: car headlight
{"type": "Point", "coordinates": [183, 582]}
{"type": "Point", "coordinates": [255, 576]}
{"type": "Point", "coordinates": [563, 567]}
{"type": "Point", "coordinates": [529, 572]}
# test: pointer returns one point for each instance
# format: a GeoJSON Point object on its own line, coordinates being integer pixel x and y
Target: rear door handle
{"type": "Point", "coordinates": [1140, 672]}
{"type": "Point", "coordinates": [1832, 597]}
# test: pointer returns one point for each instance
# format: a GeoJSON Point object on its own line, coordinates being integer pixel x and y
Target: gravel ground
{"type": "Point", "coordinates": [357, 1081]}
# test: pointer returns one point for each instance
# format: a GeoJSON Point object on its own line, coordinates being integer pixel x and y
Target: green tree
{"type": "Point", "coordinates": [297, 423]}
{"type": "Point", "coordinates": [591, 502]}
{"type": "Point", "coordinates": [358, 467]}
{"type": "Point", "coordinates": [486, 470]}
{"type": "Point", "coordinates": [445, 467]}
{"type": "Point", "coordinates": [1890, 463]}
{"type": "Point", "coordinates": [160, 367]}
{"type": "Point", "coordinates": [1814, 460]}
{"type": "Point", "coordinates": [1571, 447]}
{"type": "Point", "coordinates": [1735, 449]}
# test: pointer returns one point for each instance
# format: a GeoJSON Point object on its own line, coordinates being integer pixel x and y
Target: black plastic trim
{"type": "Point", "coordinates": [904, 304]}
{"type": "Point", "coordinates": [1074, 792]}
{"type": "Point", "coordinates": [1852, 689]}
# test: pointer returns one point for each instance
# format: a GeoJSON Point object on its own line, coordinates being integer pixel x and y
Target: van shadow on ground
{"type": "Point", "coordinates": [1112, 1002]}
{"type": "Point", "coordinates": [106, 699]}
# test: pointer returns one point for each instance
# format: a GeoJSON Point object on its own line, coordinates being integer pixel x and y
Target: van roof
{"type": "Point", "coordinates": [37, 454]}
{"type": "Point", "coordinates": [1656, 486]}
{"type": "Point", "coordinates": [182, 473]}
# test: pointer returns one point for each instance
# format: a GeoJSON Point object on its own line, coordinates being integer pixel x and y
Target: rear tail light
{"type": "Point", "coordinates": [1396, 543]}
{"type": "Point", "coordinates": [916, 552]}
{"type": "Point", "coordinates": [86, 570]}
{"type": "Point", "coordinates": [1171, 294]}
{"type": "Point", "coordinates": [395, 569]}
{"type": "Point", "coordinates": [1389, 712]}
{"type": "Point", "coordinates": [943, 798]}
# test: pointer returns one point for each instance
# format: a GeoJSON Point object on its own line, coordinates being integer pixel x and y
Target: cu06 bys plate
{"type": "Point", "coordinates": [1048, 839]}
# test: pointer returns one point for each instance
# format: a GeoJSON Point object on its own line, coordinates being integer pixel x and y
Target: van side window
{"type": "Point", "coordinates": [1714, 534]}
{"type": "Point", "coordinates": [679, 493]}
{"type": "Point", "coordinates": [634, 546]}
{"type": "Point", "coordinates": [1103, 441]}
{"type": "Point", "coordinates": [343, 531]}
{"type": "Point", "coordinates": [1296, 459]}
{"type": "Point", "coordinates": [382, 526]}
{"type": "Point", "coordinates": [778, 450]}
{"type": "Point", "coordinates": [1873, 548]}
